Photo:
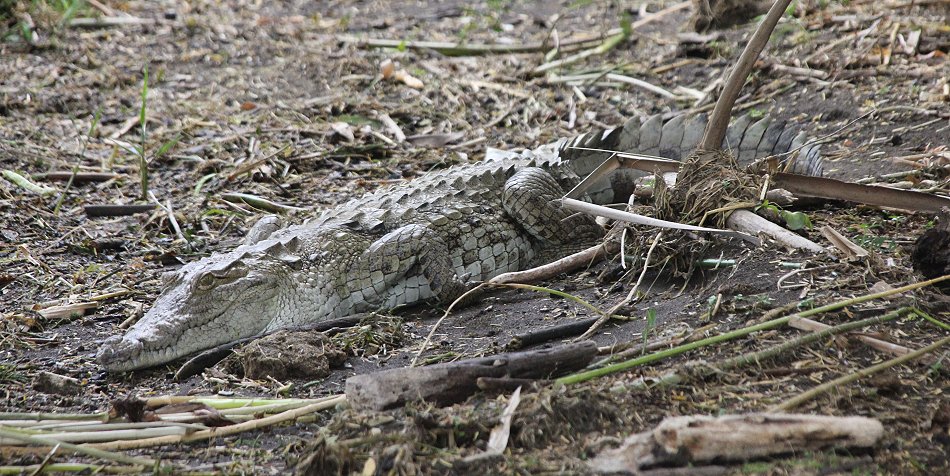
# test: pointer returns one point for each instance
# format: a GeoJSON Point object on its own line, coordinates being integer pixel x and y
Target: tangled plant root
{"type": "Point", "coordinates": [708, 180]}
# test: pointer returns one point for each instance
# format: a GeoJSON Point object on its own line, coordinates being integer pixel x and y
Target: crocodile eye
{"type": "Point", "coordinates": [206, 281]}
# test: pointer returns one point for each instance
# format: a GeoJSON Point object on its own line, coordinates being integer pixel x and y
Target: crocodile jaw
{"type": "Point", "coordinates": [147, 345]}
{"type": "Point", "coordinates": [207, 303]}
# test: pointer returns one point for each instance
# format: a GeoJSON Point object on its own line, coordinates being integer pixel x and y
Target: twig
{"type": "Point", "coordinates": [109, 12]}
{"type": "Point", "coordinates": [458, 49]}
{"type": "Point", "coordinates": [569, 263]}
{"type": "Point", "coordinates": [170, 213]}
{"type": "Point", "coordinates": [612, 41]}
{"type": "Point", "coordinates": [865, 372]}
{"type": "Point", "coordinates": [116, 210]}
{"type": "Point", "coordinates": [257, 202]}
{"type": "Point", "coordinates": [604, 47]}
{"type": "Point", "coordinates": [425, 343]}
{"type": "Point", "coordinates": [45, 462]}
{"type": "Point", "coordinates": [602, 211]}
{"type": "Point", "coordinates": [806, 324]}
{"type": "Point", "coordinates": [555, 292]}
{"type": "Point", "coordinates": [613, 77]}
{"type": "Point", "coordinates": [101, 22]}
{"type": "Point", "coordinates": [79, 177]}
{"type": "Point", "coordinates": [394, 128]}
{"type": "Point", "coordinates": [548, 334]}
{"type": "Point", "coordinates": [630, 295]}
{"type": "Point", "coordinates": [778, 284]}
{"type": "Point", "coordinates": [83, 468]}
{"type": "Point", "coordinates": [249, 166]}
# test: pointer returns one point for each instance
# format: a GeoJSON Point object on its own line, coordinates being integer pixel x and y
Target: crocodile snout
{"type": "Point", "coordinates": [117, 353]}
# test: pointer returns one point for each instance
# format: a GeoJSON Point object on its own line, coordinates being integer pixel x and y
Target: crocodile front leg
{"type": "Point", "coordinates": [531, 198]}
{"type": "Point", "coordinates": [405, 266]}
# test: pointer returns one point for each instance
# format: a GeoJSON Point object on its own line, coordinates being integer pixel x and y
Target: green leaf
{"type": "Point", "coordinates": [144, 99]}
{"type": "Point", "coordinates": [796, 220]}
{"type": "Point", "coordinates": [651, 322]}
{"type": "Point", "coordinates": [625, 21]}
{"type": "Point", "coordinates": [202, 181]}
{"type": "Point", "coordinates": [95, 122]}
{"type": "Point", "coordinates": [166, 147]}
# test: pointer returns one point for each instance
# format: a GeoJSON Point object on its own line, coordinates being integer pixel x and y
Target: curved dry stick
{"type": "Point", "coordinates": [719, 120]}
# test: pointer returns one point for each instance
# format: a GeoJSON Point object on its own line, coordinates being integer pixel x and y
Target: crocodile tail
{"type": "Point", "coordinates": [748, 138]}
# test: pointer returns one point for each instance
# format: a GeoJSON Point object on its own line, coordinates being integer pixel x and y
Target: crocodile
{"type": "Point", "coordinates": [428, 239]}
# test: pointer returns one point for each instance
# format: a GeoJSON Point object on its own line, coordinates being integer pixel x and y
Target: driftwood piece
{"type": "Point", "coordinates": [678, 441]}
{"type": "Point", "coordinates": [748, 222]}
{"type": "Point", "coordinates": [452, 382]}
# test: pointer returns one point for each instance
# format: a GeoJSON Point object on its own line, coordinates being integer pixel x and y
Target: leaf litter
{"type": "Point", "coordinates": [271, 102]}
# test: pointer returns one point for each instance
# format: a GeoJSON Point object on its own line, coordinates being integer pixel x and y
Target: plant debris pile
{"type": "Point", "coordinates": [453, 439]}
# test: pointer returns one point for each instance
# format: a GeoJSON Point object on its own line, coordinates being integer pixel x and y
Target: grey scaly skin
{"type": "Point", "coordinates": [424, 240]}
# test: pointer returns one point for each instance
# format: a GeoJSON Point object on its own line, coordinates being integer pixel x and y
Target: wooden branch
{"type": "Point", "coordinates": [701, 439]}
{"type": "Point", "coordinates": [719, 120]}
{"type": "Point", "coordinates": [578, 260]}
{"type": "Point", "coordinates": [452, 382]}
{"type": "Point", "coordinates": [547, 334]}
{"type": "Point", "coordinates": [748, 222]}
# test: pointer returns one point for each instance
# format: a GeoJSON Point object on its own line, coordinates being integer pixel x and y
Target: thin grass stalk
{"type": "Point", "coordinates": [865, 372]}
{"type": "Point", "coordinates": [86, 468]}
{"type": "Point", "coordinates": [289, 415]}
{"type": "Point", "coordinates": [104, 435]}
{"type": "Point", "coordinates": [86, 450]}
{"type": "Point", "coordinates": [698, 373]}
{"type": "Point", "coordinates": [101, 416]}
{"type": "Point", "coordinates": [95, 426]}
{"type": "Point", "coordinates": [621, 366]}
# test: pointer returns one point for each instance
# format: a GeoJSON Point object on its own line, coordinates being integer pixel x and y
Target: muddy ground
{"type": "Point", "coordinates": [280, 100]}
